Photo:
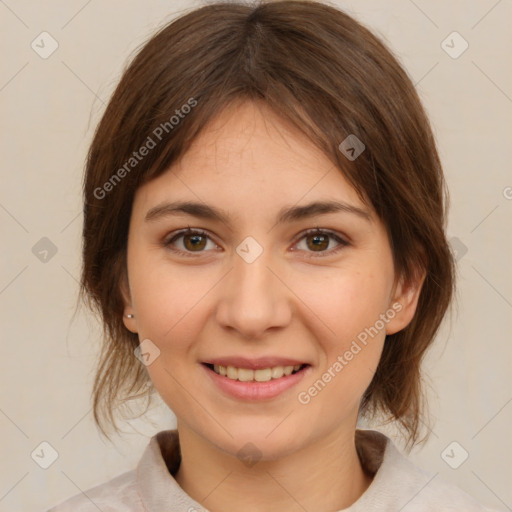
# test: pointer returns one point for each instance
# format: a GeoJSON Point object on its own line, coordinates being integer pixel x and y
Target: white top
{"type": "Point", "coordinates": [398, 485]}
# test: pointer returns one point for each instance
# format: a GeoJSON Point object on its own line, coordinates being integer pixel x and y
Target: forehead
{"type": "Point", "coordinates": [253, 133]}
{"type": "Point", "coordinates": [248, 159]}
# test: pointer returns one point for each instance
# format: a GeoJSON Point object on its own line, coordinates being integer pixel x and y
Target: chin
{"type": "Point", "coordinates": [264, 440]}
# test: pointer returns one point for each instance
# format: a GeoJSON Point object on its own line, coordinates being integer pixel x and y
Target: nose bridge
{"type": "Point", "coordinates": [253, 298]}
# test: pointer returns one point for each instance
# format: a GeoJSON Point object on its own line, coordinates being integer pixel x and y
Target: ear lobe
{"type": "Point", "coordinates": [405, 302]}
{"type": "Point", "coordinates": [129, 322]}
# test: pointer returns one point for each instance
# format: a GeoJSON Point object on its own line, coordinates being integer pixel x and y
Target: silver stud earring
{"type": "Point", "coordinates": [129, 316]}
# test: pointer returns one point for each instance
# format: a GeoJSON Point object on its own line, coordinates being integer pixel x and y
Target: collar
{"type": "Point", "coordinates": [162, 457]}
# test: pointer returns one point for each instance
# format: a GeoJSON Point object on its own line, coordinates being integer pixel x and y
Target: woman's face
{"type": "Point", "coordinates": [255, 293]}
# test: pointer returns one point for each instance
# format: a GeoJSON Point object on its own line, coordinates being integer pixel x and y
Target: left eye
{"type": "Point", "coordinates": [316, 240]}
{"type": "Point", "coordinates": [320, 240]}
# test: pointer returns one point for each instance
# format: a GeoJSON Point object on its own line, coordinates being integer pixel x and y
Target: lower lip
{"type": "Point", "coordinates": [256, 390]}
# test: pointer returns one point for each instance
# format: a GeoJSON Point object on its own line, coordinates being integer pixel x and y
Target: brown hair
{"type": "Point", "coordinates": [329, 76]}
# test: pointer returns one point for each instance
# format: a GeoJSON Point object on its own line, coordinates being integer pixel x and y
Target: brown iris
{"type": "Point", "coordinates": [196, 242]}
{"type": "Point", "coordinates": [319, 241]}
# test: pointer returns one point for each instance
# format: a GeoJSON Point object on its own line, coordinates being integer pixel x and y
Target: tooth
{"type": "Point", "coordinates": [232, 372]}
{"type": "Point", "coordinates": [245, 375]}
{"type": "Point", "coordinates": [263, 375]}
{"type": "Point", "coordinates": [277, 372]}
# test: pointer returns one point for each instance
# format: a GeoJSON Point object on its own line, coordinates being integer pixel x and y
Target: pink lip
{"type": "Point", "coordinates": [254, 364]}
{"type": "Point", "coordinates": [255, 390]}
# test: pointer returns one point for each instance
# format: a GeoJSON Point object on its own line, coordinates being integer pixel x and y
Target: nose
{"type": "Point", "coordinates": [254, 298]}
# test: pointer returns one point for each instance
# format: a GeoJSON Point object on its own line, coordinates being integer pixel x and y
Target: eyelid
{"type": "Point", "coordinates": [340, 239]}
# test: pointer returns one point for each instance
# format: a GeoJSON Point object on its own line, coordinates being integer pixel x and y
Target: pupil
{"type": "Point", "coordinates": [319, 240]}
{"type": "Point", "coordinates": [195, 240]}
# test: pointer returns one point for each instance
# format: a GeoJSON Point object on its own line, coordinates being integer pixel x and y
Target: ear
{"type": "Point", "coordinates": [124, 288]}
{"type": "Point", "coordinates": [404, 301]}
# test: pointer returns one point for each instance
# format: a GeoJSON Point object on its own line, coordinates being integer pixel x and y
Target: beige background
{"type": "Point", "coordinates": [49, 108]}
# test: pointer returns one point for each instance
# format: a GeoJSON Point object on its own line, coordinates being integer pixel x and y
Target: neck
{"type": "Point", "coordinates": [326, 475]}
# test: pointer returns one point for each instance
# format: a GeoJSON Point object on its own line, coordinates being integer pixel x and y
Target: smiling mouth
{"type": "Point", "coordinates": [260, 375]}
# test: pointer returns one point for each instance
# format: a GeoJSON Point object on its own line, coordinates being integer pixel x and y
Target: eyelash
{"type": "Point", "coordinates": [316, 231]}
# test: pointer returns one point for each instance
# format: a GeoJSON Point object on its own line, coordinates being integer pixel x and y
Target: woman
{"type": "Point", "coordinates": [264, 240]}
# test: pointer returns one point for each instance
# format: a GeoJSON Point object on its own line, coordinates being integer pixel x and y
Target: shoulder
{"type": "Point", "coordinates": [117, 495]}
{"type": "Point", "coordinates": [441, 496]}
{"type": "Point", "coordinates": [149, 486]}
{"type": "Point", "coordinates": [399, 484]}
{"type": "Point", "coordinates": [423, 491]}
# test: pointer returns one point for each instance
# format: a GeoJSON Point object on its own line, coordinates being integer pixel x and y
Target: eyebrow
{"type": "Point", "coordinates": [286, 215]}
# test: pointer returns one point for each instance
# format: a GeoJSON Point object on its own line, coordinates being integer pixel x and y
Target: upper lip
{"type": "Point", "coordinates": [254, 364]}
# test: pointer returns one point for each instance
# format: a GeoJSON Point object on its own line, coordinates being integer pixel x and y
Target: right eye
{"type": "Point", "coordinates": [192, 239]}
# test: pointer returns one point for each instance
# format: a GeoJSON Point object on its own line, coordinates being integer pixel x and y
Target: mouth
{"type": "Point", "coordinates": [255, 379]}
{"type": "Point", "coordinates": [255, 375]}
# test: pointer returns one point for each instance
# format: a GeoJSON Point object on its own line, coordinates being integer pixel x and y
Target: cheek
{"type": "Point", "coordinates": [352, 349]}
{"type": "Point", "coordinates": [165, 299]}
{"type": "Point", "coordinates": [347, 302]}
{"type": "Point", "coordinates": [168, 305]}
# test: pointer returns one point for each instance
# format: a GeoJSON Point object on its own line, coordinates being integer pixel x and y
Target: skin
{"type": "Point", "coordinates": [213, 303]}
